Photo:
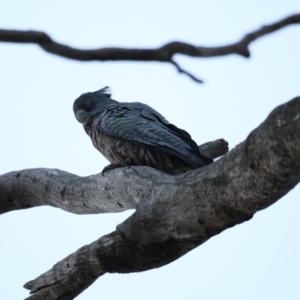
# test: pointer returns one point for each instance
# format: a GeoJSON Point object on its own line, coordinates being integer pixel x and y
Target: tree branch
{"type": "Point", "coordinates": [178, 213]}
{"type": "Point", "coordinates": [79, 195]}
{"type": "Point", "coordinates": [164, 53]}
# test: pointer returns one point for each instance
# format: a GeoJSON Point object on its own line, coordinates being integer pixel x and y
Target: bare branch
{"type": "Point", "coordinates": [214, 149]}
{"type": "Point", "coordinates": [164, 53]}
{"type": "Point", "coordinates": [180, 70]}
{"type": "Point", "coordinates": [180, 213]}
{"type": "Point", "coordinates": [79, 195]}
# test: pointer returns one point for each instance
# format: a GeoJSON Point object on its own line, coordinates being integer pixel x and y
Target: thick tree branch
{"type": "Point", "coordinates": [178, 213]}
{"type": "Point", "coordinates": [164, 53]}
{"type": "Point", "coordinates": [79, 195]}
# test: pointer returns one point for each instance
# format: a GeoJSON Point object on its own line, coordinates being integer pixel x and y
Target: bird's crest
{"type": "Point", "coordinates": [106, 91]}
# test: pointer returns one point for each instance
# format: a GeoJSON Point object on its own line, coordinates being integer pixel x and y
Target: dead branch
{"type": "Point", "coordinates": [80, 195]}
{"type": "Point", "coordinates": [164, 53]}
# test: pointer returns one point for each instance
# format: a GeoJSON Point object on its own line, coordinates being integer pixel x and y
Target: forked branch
{"type": "Point", "coordinates": [178, 213]}
{"type": "Point", "coordinates": [164, 53]}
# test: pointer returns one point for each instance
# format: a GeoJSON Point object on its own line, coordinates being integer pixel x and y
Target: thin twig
{"type": "Point", "coordinates": [180, 70]}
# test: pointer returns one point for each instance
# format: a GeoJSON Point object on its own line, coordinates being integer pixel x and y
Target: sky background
{"type": "Point", "coordinates": [259, 259]}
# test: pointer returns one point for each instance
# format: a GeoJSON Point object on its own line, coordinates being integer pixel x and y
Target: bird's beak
{"type": "Point", "coordinates": [82, 116]}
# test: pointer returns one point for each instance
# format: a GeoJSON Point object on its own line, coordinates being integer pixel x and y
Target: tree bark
{"type": "Point", "coordinates": [174, 213]}
{"type": "Point", "coordinates": [79, 195]}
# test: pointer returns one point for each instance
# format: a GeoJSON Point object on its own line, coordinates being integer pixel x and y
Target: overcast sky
{"type": "Point", "coordinates": [259, 259]}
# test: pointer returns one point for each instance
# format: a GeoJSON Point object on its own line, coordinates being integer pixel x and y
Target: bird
{"type": "Point", "coordinates": [133, 134]}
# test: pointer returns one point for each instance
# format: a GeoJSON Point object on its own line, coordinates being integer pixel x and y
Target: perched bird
{"type": "Point", "coordinates": [131, 134]}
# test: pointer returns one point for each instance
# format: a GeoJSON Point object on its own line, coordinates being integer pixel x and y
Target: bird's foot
{"type": "Point", "coordinates": [126, 163]}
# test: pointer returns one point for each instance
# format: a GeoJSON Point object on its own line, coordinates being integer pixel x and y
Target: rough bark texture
{"type": "Point", "coordinates": [175, 213]}
{"type": "Point", "coordinates": [164, 53]}
{"type": "Point", "coordinates": [79, 195]}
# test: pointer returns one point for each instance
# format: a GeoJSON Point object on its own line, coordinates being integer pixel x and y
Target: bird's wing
{"type": "Point", "coordinates": [139, 123]}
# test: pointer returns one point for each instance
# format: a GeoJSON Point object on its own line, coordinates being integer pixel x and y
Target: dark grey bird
{"type": "Point", "coordinates": [131, 134]}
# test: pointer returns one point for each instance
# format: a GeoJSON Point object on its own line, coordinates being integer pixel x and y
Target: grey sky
{"type": "Point", "coordinates": [256, 260]}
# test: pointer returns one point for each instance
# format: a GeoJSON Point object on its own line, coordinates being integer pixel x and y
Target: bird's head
{"type": "Point", "coordinates": [90, 105]}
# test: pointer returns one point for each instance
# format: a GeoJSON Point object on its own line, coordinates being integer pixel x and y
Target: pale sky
{"type": "Point", "coordinates": [259, 259]}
